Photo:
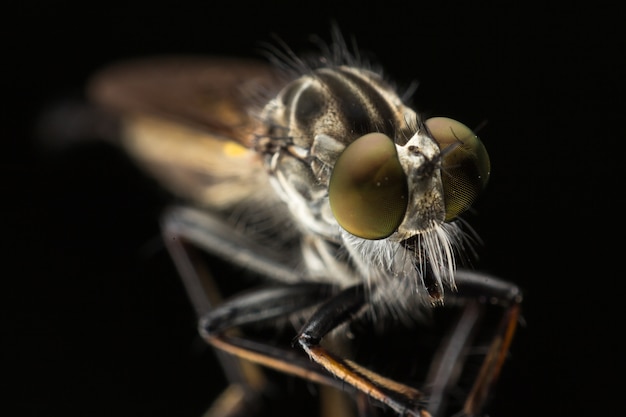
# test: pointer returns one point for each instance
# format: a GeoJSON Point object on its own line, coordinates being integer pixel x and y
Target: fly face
{"type": "Point", "coordinates": [325, 183]}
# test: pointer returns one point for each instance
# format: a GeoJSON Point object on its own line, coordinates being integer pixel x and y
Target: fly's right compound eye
{"type": "Point", "coordinates": [465, 164]}
{"type": "Point", "coordinates": [368, 190]}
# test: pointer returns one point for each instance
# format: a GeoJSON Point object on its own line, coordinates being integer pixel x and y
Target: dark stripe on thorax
{"type": "Point", "coordinates": [385, 116]}
{"type": "Point", "coordinates": [352, 109]}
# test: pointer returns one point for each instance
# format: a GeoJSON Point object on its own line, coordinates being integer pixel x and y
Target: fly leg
{"type": "Point", "coordinates": [475, 291]}
{"type": "Point", "coordinates": [509, 297]}
{"type": "Point", "coordinates": [257, 306]}
{"type": "Point", "coordinates": [406, 401]}
{"type": "Point", "coordinates": [185, 232]}
{"type": "Point", "coordinates": [246, 380]}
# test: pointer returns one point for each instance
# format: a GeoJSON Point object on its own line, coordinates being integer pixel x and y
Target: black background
{"type": "Point", "coordinates": [96, 322]}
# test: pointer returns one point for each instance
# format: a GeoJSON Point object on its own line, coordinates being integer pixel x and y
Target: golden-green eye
{"type": "Point", "coordinates": [368, 189]}
{"type": "Point", "coordinates": [465, 166]}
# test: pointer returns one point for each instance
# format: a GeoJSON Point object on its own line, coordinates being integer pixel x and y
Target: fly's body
{"type": "Point", "coordinates": [321, 179]}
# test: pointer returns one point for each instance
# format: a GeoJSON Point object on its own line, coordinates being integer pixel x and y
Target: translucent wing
{"type": "Point", "coordinates": [189, 122]}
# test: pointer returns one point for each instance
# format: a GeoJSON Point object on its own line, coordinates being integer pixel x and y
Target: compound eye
{"type": "Point", "coordinates": [465, 164]}
{"type": "Point", "coordinates": [368, 189]}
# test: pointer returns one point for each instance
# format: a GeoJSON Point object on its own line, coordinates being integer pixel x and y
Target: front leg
{"type": "Point", "coordinates": [509, 297]}
{"type": "Point", "coordinates": [475, 292]}
{"type": "Point", "coordinates": [260, 305]}
{"type": "Point", "coordinates": [334, 312]}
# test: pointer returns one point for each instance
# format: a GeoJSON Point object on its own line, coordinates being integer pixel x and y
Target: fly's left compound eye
{"type": "Point", "coordinates": [465, 166]}
{"type": "Point", "coordinates": [368, 190]}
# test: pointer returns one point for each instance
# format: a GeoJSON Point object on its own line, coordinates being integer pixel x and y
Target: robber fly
{"type": "Point", "coordinates": [314, 174]}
